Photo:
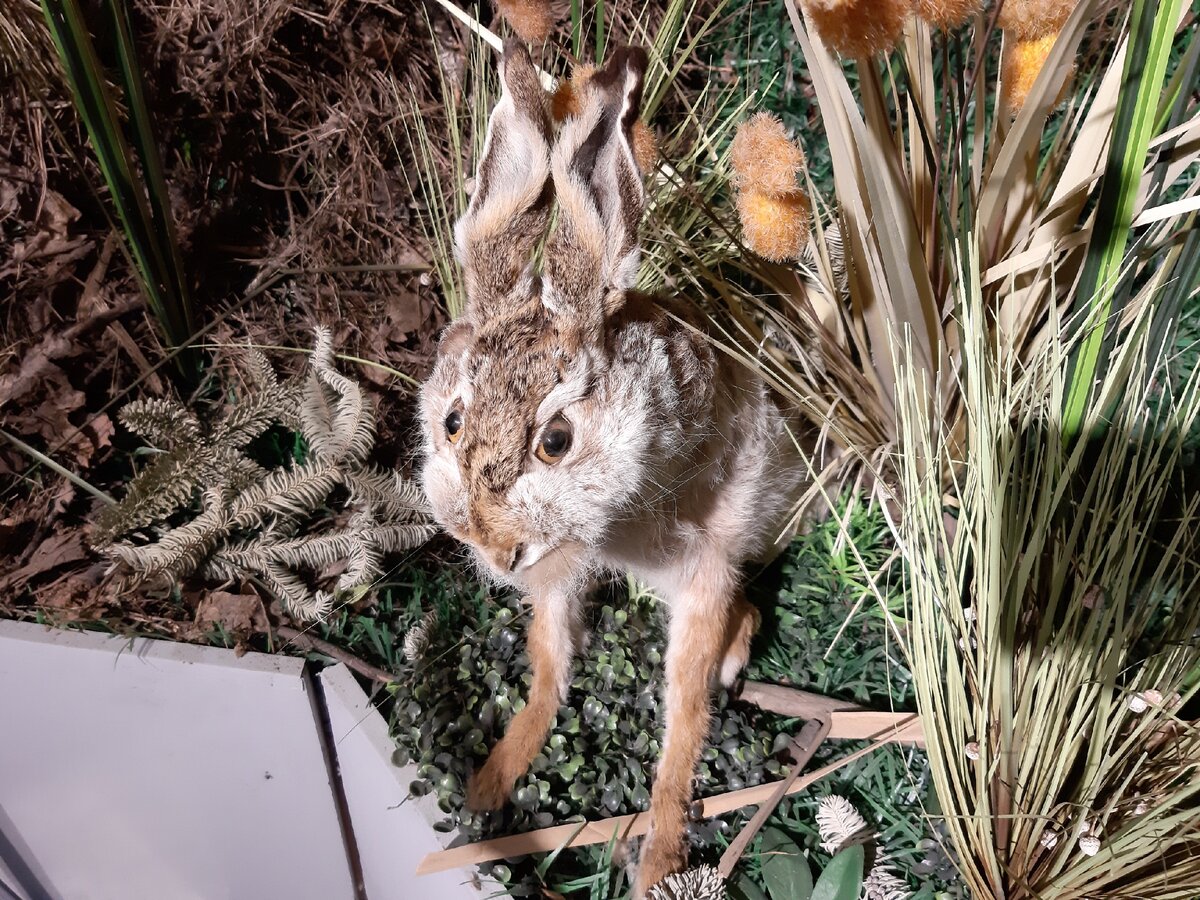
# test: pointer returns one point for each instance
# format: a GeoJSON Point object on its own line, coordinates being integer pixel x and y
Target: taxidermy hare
{"type": "Point", "coordinates": [574, 426]}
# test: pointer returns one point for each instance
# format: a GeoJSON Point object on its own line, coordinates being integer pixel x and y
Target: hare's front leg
{"type": "Point", "coordinates": [551, 643]}
{"type": "Point", "coordinates": [698, 641]}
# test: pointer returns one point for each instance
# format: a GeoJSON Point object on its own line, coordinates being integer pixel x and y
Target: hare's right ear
{"type": "Point", "coordinates": [507, 216]}
{"type": "Point", "coordinates": [592, 256]}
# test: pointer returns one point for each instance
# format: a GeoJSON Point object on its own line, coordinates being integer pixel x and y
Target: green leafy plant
{"type": "Point", "coordinates": [467, 685]}
{"type": "Point", "coordinates": [256, 521]}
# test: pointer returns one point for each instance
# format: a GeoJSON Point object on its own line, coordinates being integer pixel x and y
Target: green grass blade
{"type": "Point", "coordinates": [144, 235]}
{"type": "Point", "coordinates": [168, 259]}
{"type": "Point", "coordinates": [1153, 28]}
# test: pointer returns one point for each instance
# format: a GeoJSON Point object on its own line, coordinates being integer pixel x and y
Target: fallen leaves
{"type": "Point", "coordinates": [239, 615]}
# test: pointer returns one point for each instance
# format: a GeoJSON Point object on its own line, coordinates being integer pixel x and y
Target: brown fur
{"type": "Point", "coordinates": [527, 733]}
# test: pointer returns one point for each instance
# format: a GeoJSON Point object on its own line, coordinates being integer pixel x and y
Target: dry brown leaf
{"type": "Point", "coordinates": [238, 614]}
{"type": "Point", "coordinates": [54, 552]}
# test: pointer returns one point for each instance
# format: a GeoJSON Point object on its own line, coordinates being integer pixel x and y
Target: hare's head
{"type": "Point", "coordinates": [531, 441]}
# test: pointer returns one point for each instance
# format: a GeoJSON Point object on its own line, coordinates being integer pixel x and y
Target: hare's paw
{"type": "Point", "coordinates": [490, 787]}
{"type": "Point", "coordinates": [744, 621]}
{"type": "Point", "coordinates": [659, 859]}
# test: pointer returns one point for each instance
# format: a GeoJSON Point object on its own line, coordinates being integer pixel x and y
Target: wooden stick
{"type": "Point", "coordinates": [804, 745]}
{"type": "Point", "coordinates": [308, 642]}
{"type": "Point", "coordinates": [899, 727]}
{"type": "Point", "coordinates": [788, 701]}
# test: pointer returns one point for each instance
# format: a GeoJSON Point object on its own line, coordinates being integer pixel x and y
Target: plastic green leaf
{"type": "Point", "coordinates": [785, 870]}
{"type": "Point", "coordinates": [843, 877]}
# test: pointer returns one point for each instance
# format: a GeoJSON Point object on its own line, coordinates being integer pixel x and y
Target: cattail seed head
{"type": "Point", "coordinates": [859, 28]}
{"type": "Point", "coordinates": [776, 228]}
{"type": "Point", "coordinates": [530, 19]}
{"type": "Point", "coordinates": [763, 158]}
{"type": "Point", "coordinates": [645, 146]}
{"type": "Point", "coordinates": [566, 99]}
{"type": "Point", "coordinates": [1027, 20]}
{"type": "Point", "coordinates": [1023, 61]}
{"type": "Point", "coordinates": [947, 14]}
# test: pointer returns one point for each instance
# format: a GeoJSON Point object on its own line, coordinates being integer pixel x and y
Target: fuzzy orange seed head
{"type": "Point", "coordinates": [645, 146]}
{"type": "Point", "coordinates": [947, 14]}
{"type": "Point", "coordinates": [776, 228]}
{"type": "Point", "coordinates": [1023, 61]}
{"type": "Point", "coordinates": [859, 28]}
{"type": "Point", "coordinates": [530, 19]}
{"type": "Point", "coordinates": [763, 158]}
{"type": "Point", "coordinates": [565, 101]}
{"type": "Point", "coordinates": [1027, 20]}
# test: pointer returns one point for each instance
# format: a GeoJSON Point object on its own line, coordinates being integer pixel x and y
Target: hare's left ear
{"type": "Point", "coordinates": [592, 257]}
{"type": "Point", "coordinates": [509, 210]}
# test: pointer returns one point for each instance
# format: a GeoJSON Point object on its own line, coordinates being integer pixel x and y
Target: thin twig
{"type": "Point", "coordinates": [49, 463]}
{"type": "Point", "coordinates": [308, 642]}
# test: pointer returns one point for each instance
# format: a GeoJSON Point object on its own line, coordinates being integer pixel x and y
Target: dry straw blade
{"type": "Point", "coordinates": [922, 158]}
{"type": "Point", "coordinates": [1057, 595]}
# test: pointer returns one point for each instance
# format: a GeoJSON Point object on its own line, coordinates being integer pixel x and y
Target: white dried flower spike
{"type": "Point", "coordinates": [972, 750]}
{"type": "Point", "coordinates": [1049, 839]}
{"type": "Point", "coordinates": [881, 884]}
{"type": "Point", "coordinates": [1089, 845]}
{"type": "Point", "coordinates": [704, 883]}
{"type": "Point", "coordinates": [416, 640]}
{"type": "Point", "coordinates": [838, 822]}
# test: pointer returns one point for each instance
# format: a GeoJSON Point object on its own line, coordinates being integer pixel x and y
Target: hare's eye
{"type": "Point", "coordinates": [454, 425]}
{"type": "Point", "coordinates": [554, 442]}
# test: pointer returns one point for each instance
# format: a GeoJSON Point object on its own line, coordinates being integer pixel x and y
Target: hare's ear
{"type": "Point", "coordinates": [592, 256]}
{"type": "Point", "coordinates": [507, 216]}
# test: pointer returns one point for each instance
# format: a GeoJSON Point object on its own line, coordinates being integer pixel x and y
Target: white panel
{"type": "Point", "coordinates": [136, 768]}
{"type": "Point", "coordinates": [393, 831]}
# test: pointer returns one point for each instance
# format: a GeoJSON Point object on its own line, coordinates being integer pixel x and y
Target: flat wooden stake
{"type": "Point", "coordinates": [888, 728]}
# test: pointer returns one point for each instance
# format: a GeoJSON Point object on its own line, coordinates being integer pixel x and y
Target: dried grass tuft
{"type": "Point", "coordinates": [565, 101]}
{"type": "Point", "coordinates": [645, 146]}
{"type": "Point", "coordinates": [859, 28]}
{"type": "Point", "coordinates": [1023, 61]}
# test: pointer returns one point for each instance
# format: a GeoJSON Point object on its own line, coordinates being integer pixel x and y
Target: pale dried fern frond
{"type": "Point", "coordinates": [335, 417]}
{"type": "Point", "coordinates": [196, 457]}
{"type": "Point", "coordinates": [162, 422]}
{"type": "Point", "coordinates": [249, 518]}
{"type": "Point", "coordinates": [840, 824]}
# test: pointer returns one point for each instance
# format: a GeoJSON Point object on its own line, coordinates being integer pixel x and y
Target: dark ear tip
{"type": "Point", "coordinates": [623, 59]}
{"type": "Point", "coordinates": [637, 59]}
